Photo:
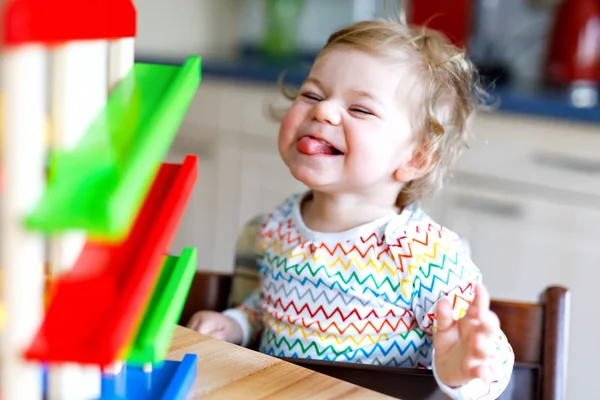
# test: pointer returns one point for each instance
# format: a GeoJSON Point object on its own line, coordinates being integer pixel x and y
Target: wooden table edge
{"type": "Point", "coordinates": [188, 341]}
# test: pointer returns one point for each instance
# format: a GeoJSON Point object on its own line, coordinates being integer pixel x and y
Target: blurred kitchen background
{"type": "Point", "coordinates": [526, 194]}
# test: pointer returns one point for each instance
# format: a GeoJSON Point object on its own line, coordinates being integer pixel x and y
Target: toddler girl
{"type": "Point", "coordinates": [354, 270]}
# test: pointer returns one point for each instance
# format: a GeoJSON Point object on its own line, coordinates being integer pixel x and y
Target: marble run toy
{"type": "Point", "coordinates": [84, 191]}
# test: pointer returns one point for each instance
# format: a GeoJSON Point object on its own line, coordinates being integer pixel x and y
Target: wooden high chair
{"type": "Point", "coordinates": [537, 332]}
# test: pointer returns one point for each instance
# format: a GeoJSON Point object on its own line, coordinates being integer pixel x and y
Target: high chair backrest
{"type": "Point", "coordinates": [538, 334]}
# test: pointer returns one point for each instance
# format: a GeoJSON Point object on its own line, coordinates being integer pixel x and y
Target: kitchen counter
{"type": "Point", "coordinates": [251, 67]}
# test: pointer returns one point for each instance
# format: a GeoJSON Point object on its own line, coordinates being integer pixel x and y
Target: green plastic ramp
{"type": "Point", "coordinates": [153, 338]}
{"type": "Point", "coordinates": [99, 185]}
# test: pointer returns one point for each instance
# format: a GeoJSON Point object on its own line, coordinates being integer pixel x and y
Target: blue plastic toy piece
{"type": "Point", "coordinates": [169, 380]}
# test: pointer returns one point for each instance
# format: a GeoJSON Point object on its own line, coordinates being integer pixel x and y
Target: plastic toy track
{"type": "Point", "coordinates": [99, 185]}
{"type": "Point", "coordinates": [96, 308]}
{"type": "Point", "coordinates": [156, 330]}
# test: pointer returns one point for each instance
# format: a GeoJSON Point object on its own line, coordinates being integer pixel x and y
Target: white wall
{"type": "Point", "coordinates": [175, 28]}
{"type": "Point", "coordinates": [319, 19]}
{"type": "Point", "coordinates": [178, 28]}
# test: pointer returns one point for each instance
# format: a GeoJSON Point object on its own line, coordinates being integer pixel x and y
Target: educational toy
{"type": "Point", "coordinates": [88, 205]}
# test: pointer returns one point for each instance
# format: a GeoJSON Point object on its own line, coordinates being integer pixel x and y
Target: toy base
{"type": "Point", "coordinates": [168, 380]}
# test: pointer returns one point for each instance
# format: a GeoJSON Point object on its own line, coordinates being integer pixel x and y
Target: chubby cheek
{"type": "Point", "coordinates": [376, 154]}
{"type": "Point", "coordinates": [288, 130]}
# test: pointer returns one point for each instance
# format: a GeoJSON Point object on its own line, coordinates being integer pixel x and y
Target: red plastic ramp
{"type": "Point", "coordinates": [95, 309]}
{"type": "Point", "coordinates": [57, 21]}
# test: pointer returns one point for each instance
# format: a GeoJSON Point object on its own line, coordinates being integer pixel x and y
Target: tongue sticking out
{"type": "Point", "coordinates": [311, 146]}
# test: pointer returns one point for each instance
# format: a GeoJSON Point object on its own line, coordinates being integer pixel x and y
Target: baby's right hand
{"type": "Point", "coordinates": [217, 325]}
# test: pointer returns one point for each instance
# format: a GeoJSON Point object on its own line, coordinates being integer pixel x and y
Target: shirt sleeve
{"type": "Point", "coordinates": [434, 265]}
{"type": "Point", "coordinates": [249, 316]}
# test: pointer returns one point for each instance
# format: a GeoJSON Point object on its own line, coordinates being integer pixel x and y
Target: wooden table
{"type": "Point", "coordinates": [226, 371]}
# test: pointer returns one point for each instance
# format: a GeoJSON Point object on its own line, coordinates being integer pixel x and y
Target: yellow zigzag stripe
{"type": "Point", "coordinates": [343, 261]}
{"type": "Point", "coordinates": [420, 257]}
{"type": "Point", "coordinates": [406, 283]}
{"type": "Point", "coordinates": [282, 326]}
{"type": "Point", "coordinates": [461, 305]}
{"type": "Point", "coordinates": [278, 246]}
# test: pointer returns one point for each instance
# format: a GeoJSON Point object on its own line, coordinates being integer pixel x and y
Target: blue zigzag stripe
{"type": "Point", "coordinates": [304, 281]}
{"type": "Point", "coordinates": [353, 276]}
{"type": "Point", "coordinates": [410, 345]}
{"type": "Point", "coordinates": [397, 301]}
{"type": "Point", "coordinates": [282, 288]}
{"type": "Point", "coordinates": [420, 284]}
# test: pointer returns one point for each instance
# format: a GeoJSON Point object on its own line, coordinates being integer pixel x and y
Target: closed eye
{"type": "Point", "coordinates": [361, 110]}
{"type": "Point", "coordinates": [311, 96]}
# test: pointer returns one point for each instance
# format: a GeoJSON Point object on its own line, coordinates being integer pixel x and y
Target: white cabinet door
{"type": "Point", "coordinates": [535, 152]}
{"type": "Point", "coordinates": [523, 245]}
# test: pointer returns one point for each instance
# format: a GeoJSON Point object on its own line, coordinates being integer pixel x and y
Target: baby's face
{"type": "Point", "coordinates": [349, 129]}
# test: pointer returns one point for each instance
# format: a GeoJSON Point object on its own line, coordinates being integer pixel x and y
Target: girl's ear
{"type": "Point", "coordinates": [415, 168]}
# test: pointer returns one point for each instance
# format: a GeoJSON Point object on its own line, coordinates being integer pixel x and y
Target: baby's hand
{"type": "Point", "coordinates": [462, 347]}
{"type": "Point", "coordinates": [217, 325]}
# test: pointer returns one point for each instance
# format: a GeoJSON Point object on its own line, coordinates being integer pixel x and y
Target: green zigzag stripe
{"type": "Point", "coordinates": [338, 275]}
{"type": "Point", "coordinates": [305, 349]}
{"type": "Point", "coordinates": [432, 265]}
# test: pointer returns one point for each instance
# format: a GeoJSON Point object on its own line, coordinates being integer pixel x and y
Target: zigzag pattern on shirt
{"type": "Point", "coordinates": [361, 249]}
{"type": "Point", "coordinates": [405, 241]}
{"type": "Point", "coordinates": [280, 326]}
{"type": "Point", "coordinates": [336, 280]}
{"type": "Point", "coordinates": [315, 310]}
{"type": "Point", "coordinates": [425, 267]}
{"type": "Point", "coordinates": [423, 307]}
{"type": "Point", "coordinates": [345, 262]}
{"type": "Point", "coordinates": [314, 296]}
{"type": "Point", "coordinates": [407, 347]}
{"type": "Point", "coordinates": [292, 330]}
{"type": "Point", "coordinates": [303, 347]}
{"type": "Point", "coordinates": [285, 236]}
{"type": "Point", "coordinates": [444, 276]}
{"type": "Point", "coordinates": [319, 283]}
{"type": "Point", "coordinates": [322, 270]}
{"type": "Point", "coordinates": [368, 299]}
{"type": "Point", "coordinates": [400, 325]}
{"type": "Point", "coordinates": [404, 362]}
{"type": "Point", "coordinates": [398, 299]}
{"type": "Point", "coordinates": [342, 256]}
{"type": "Point", "coordinates": [284, 290]}
{"type": "Point", "coordinates": [347, 352]}
{"type": "Point", "coordinates": [287, 233]}
{"type": "Point", "coordinates": [405, 285]}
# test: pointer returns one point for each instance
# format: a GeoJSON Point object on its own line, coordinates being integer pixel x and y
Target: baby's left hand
{"type": "Point", "coordinates": [462, 347]}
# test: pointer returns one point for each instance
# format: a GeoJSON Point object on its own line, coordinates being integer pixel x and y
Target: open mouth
{"type": "Point", "coordinates": [314, 146]}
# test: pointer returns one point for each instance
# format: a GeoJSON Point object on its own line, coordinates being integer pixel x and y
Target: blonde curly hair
{"type": "Point", "coordinates": [446, 105]}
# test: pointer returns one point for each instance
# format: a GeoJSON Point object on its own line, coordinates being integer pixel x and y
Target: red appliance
{"type": "Point", "coordinates": [574, 46]}
{"type": "Point", "coordinates": [452, 17]}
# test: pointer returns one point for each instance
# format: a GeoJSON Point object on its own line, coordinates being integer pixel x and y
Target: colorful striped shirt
{"type": "Point", "coordinates": [366, 295]}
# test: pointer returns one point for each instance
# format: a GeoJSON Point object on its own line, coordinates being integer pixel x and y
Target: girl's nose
{"type": "Point", "coordinates": [327, 112]}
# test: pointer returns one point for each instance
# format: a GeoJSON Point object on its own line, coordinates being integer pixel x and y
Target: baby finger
{"type": "Point", "coordinates": [482, 347]}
